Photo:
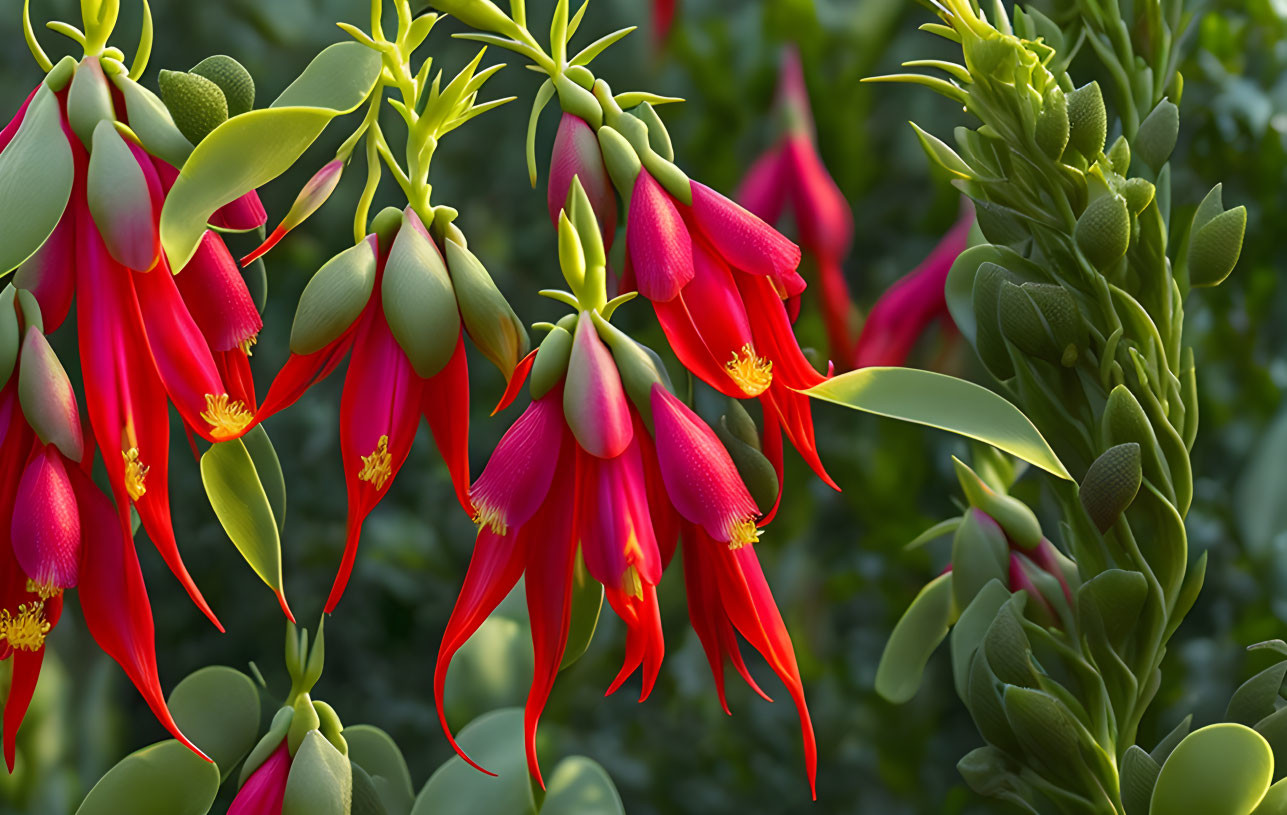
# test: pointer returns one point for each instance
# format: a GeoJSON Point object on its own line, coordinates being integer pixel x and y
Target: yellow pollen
{"type": "Point", "coordinates": [247, 343]}
{"type": "Point", "coordinates": [227, 417]}
{"type": "Point", "coordinates": [26, 630]}
{"type": "Point", "coordinates": [43, 590]}
{"type": "Point", "coordinates": [135, 473]}
{"type": "Point", "coordinates": [631, 585]}
{"type": "Point", "coordinates": [752, 373]}
{"type": "Point", "coordinates": [491, 518]}
{"type": "Point", "coordinates": [377, 467]}
{"type": "Point", "coordinates": [742, 532]}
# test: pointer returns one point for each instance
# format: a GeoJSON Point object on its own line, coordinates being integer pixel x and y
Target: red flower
{"type": "Point", "coordinates": [576, 154]}
{"type": "Point", "coordinates": [904, 311]}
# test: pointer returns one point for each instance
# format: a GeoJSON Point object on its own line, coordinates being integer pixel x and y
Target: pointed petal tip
{"type": "Point", "coordinates": [263, 248]}
{"type": "Point", "coordinates": [281, 600]}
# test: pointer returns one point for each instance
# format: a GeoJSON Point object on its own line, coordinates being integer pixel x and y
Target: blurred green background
{"type": "Point", "coordinates": [834, 560]}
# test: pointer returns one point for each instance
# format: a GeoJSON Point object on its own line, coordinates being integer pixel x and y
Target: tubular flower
{"type": "Point", "coordinates": [602, 468]}
{"type": "Point", "coordinates": [142, 344]}
{"type": "Point", "coordinates": [904, 311]}
{"type": "Point", "coordinates": [791, 175]}
{"type": "Point", "coordinates": [402, 311]}
{"type": "Point", "coordinates": [62, 531]}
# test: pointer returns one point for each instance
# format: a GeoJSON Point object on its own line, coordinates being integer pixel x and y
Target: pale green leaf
{"type": "Point", "coordinates": [35, 181]}
{"type": "Point", "coordinates": [921, 629]}
{"type": "Point", "coordinates": [1224, 768]}
{"type": "Point", "coordinates": [233, 486]}
{"type": "Point", "coordinates": [218, 708]}
{"type": "Point", "coordinates": [579, 786]}
{"type": "Point", "coordinates": [164, 779]}
{"type": "Point", "coordinates": [495, 741]}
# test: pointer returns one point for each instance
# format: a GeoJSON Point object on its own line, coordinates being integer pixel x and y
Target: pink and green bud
{"type": "Point", "coordinates": [121, 200]}
{"type": "Point", "coordinates": [660, 248]}
{"type": "Point", "coordinates": [1019, 522]}
{"type": "Point", "coordinates": [639, 366]}
{"type": "Point", "coordinates": [334, 298]}
{"type": "Point", "coordinates": [309, 200]}
{"type": "Point", "coordinates": [594, 400]}
{"type": "Point", "coordinates": [47, 398]}
{"type": "Point", "coordinates": [700, 477]}
{"type": "Point", "coordinates": [264, 790]}
{"type": "Point", "coordinates": [418, 298]}
{"type": "Point", "coordinates": [45, 529]}
{"type": "Point", "coordinates": [489, 319]}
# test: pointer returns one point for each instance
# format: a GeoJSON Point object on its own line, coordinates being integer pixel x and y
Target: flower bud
{"type": "Point", "coordinates": [980, 554]}
{"type": "Point", "coordinates": [1119, 156]}
{"type": "Point", "coordinates": [61, 73]}
{"type": "Point", "coordinates": [197, 104]}
{"type": "Point", "coordinates": [334, 298]}
{"type": "Point", "coordinates": [45, 529]}
{"type": "Point", "coordinates": [120, 201]}
{"type": "Point", "coordinates": [268, 745]}
{"type": "Point", "coordinates": [309, 200]}
{"type": "Point", "coordinates": [1111, 484]}
{"type": "Point", "coordinates": [1087, 120]}
{"type": "Point", "coordinates": [1138, 194]}
{"type": "Point", "coordinates": [46, 396]}
{"type": "Point", "coordinates": [480, 14]}
{"type": "Point", "coordinates": [577, 154]}
{"type": "Point", "coordinates": [1042, 319]}
{"type": "Point", "coordinates": [488, 316]}
{"type": "Point", "coordinates": [1007, 649]}
{"type": "Point", "coordinates": [551, 363]}
{"type": "Point", "coordinates": [1155, 140]}
{"type": "Point", "coordinates": [1124, 421]}
{"type": "Point", "coordinates": [233, 79]}
{"type": "Point", "coordinates": [986, 298]}
{"type": "Point", "coordinates": [1103, 231]}
{"type": "Point", "coordinates": [89, 100]}
{"type": "Point", "coordinates": [1014, 516]}
{"type": "Point", "coordinates": [330, 726]}
{"type": "Point", "coordinates": [1216, 240]}
{"type": "Point", "coordinates": [1052, 123]}
{"type": "Point", "coordinates": [581, 213]}
{"type": "Point", "coordinates": [639, 366]}
{"type": "Point", "coordinates": [594, 400]}
{"type": "Point", "coordinates": [1043, 590]}
{"type": "Point", "coordinates": [658, 136]}
{"type": "Point", "coordinates": [320, 780]}
{"type": "Point", "coordinates": [578, 101]}
{"type": "Point", "coordinates": [419, 300]}
{"type": "Point", "coordinates": [9, 335]}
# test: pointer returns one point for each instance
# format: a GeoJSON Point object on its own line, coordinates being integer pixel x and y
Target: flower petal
{"type": "Point", "coordinates": [744, 241]}
{"type": "Point", "coordinates": [446, 407]}
{"type": "Point", "coordinates": [661, 253]}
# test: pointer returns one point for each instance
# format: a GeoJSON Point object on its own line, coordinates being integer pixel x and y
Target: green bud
{"type": "Point", "coordinates": [1052, 123]}
{"type": "Point", "coordinates": [1014, 516]}
{"type": "Point", "coordinates": [757, 471]}
{"type": "Point", "coordinates": [986, 300]}
{"type": "Point", "coordinates": [581, 75]}
{"type": "Point", "coordinates": [330, 726]}
{"type": "Point", "coordinates": [320, 780]}
{"type": "Point", "coordinates": [61, 73]}
{"type": "Point", "coordinates": [9, 334]}
{"type": "Point", "coordinates": [89, 100]}
{"type": "Point", "coordinates": [1155, 140]}
{"type": "Point", "coordinates": [1087, 120]}
{"type": "Point", "coordinates": [488, 316]}
{"type": "Point", "coordinates": [418, 299]}
{"type": "Point", "coordinates": [480, 14]}
{"type": "Point", "coordinates": [197, 104]}
{"type": "Point", "coordinates": [551, 361]}
{"type": "Point", "coordinates": [738, 422]}
{"type": "Point", "coordinates": [581, 213]}
{"type": "Point", "coordinates": [268, 744]}
{"type": "Point", "coordinates": [980, 554]}
{"type": "Point", "coordinates": [1046, 730]}
{"type": "Point", "coordinates": [983, 698]}
{"type": "Point", "coordinates": [639, 366]}
{"type": "Point", "coordinates": [232, 78]}
{"type": "Point", "coordinates": [1007, 648]}
{"type": "Point", "coordinates": [1043, 320]}
{"type": "Point", "coordinates": [1215, 246]}
{"type": "Point", "coordinates": [334, 298]}
{"type": "Point", "coordinates": [151, 121]}
{"type": "Point", "coordinates": [1138, 194]}
{"type": "Point", "coordinates": [620, 158]}
{"type": "Point", "coordinates": [1119, 156]}
{"type": "Point", "coordinates": [999, 224]}
{"type": "Point", "coordinates": [1103, 231]}
{"type": "Point", "coordinates": [120, 201]}
{"type": "Point", "coordinates": [29, 310]}
{"type": "Point", "coordinates": [304, 721]}
{"type": "Point", "coordinates": [1111, 484]}
{"type": "Point", "coordinates": [46, 396]}
{"type": "Point", "coordinates": [658, 136]}
{"type": "Point", "coordinates": [992, 56]}
{"type": "Point", "coordinates": [1124, 421]}
{"type": "Point", "coordinates": [386, 224]}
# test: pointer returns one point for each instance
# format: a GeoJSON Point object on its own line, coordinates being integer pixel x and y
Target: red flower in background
{"type": "Point", "coordinates": [790, 176]}
{"type": "Point", "coordinates": [906, 309]}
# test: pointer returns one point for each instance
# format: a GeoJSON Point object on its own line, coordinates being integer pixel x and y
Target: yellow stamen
{"type": "Point", "coordinates": [43, 590]}
{"type": "Point", "coordinates": [378, 467]}
{"type": "Point", "coordinates": [631, 585]}
{"type": "Point", "coordinates": [26, 630]}
{"type": "Point", "coordinates": [135, 473]}
{"type": "Point", "coordinates": [491, 518]}
{"type": "Point", "coordinates": [742, 532]}
{"type": "Point", "coordinates": [226, 417]}
{"type": "Point", "coordinates": [247, 343]}
{"type": "Point", "coordinates": [752, 373]}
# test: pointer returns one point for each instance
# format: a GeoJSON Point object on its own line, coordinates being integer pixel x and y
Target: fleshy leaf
{"type": "Point", "coordinates": [218, 708]}
{"type": "Point", "coordinates": [164, 779]}
{"type": "Point", "coordinates": [374, 751]}
{"type": "Point", "coordinates": [579, 786]}
{"type": "Point", "coordinates": [1223, 768]}
{"type": "Point", "coordinates": [36, 174]}
{"type": "Point", "coordinates": [249, 150]}
{"type": "Point", "coordinates": [944, 402]}
{"type": "Point", "coordinates": [320, 781]}
{"type": "Point", "coordinates": [495, 740]}
{"type": "Point", "coordinates": [923, 626]}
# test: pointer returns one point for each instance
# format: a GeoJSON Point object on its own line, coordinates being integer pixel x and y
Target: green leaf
{"type": "Point", "coordinates": [320, 780]}
{"type": "Point", "coordinates": [943, 402]}
{"type": "Point", "coordinates": [249, 150]}
{"type": "Point", "coordinates": [1139, 775]}
{"type": "Point", "coordinates": [1255, 698]}
{"type": "Point", "coordinates": [587, 602]}
{"type": "Point", "coordinates": [495, 741]}
{"type": "Point", "coordinates": [492, 669]}
{"type": "Point", "coordinates": [218, 708]}
{"type": "Point", "coordinates": [269, 468]}
{"type": "Point", "coordinates": [1224, 768]}
{"type": "Point", "coordinates": [579, 786]}
{"type": "Point", "coordinates": [921, 629]}
{"type": "Point", "coordinates": [163, 779]}
{"type": "Point", "coordinates": [366, 798]}
{"type": "Point", "coordinates": [237, 495]}
{"type": "Point", "coordinates": [1275, 801]}
{"type": "Point", "coordinates": [970, 630]}
{"type": "Point", "coordinates": [375, 752]}
{"type": "Point", "coordinates": [35, 181]}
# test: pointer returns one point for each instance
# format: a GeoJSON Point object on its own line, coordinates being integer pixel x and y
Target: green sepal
{"type": "Point", "coordinates": [152, 122]}
{"type": "Point", "coordinates": [61, 74]}
{"type": "Point", "coordinates": [334, 298]}
{"type": "Point", "coordinates": [1046, 731]}
{"type": "Point", "coordinates": [1155, 140]}
{"type": "Point", "coordinates": [551, 362]}
{"type": "Point", "coordinates": [320, 780]}
{"type": "Point", "coordinates": [36, 175]}
{"type": "Point", "coordinates": [674, 180]}
{"type": "Point", "coordinates": [232, 78]}
{"type": "Point", "coordinates": [120, 202]}
{"type": "Point", "coordinates": [89, 100]}
{"type": "Point", "coordinates": [639, 366]}
{"type": "Point", "coordinates": [1015, 517]}
{"type": "Point", "coordinates": [304, 722]}
{"type": "Point", "coordinates": [980, 554]}
{"type": "Point", "coordinates": [46, 396]}
{"type": "Point", "coordinates": [578, 101]}
{"type": "Point", "coordinates": [621, 160]}
{"type": "Point", "coordinates": [418, 299]}
{"type": "Point", "coordinates": [587, 604]}
{"type": "Point", "coordinates": [757, 471]}
{"type": "Point", "coordinates": [989, 340]}
{"type": "Point", "coordinates": [920, 630]}
{"type": "Point", "coordinates": [330, 726]}
{"type": "Point", "coordinates": [1119, 156]}
{"type": "Point", "coordinates": [196, 103]}
{"type": "Point", "coordinates": [1103, 231]}
{"type": "Point", "coordinates": [971, 628]}
{"type": "Point", "coordinates": [658, 136]}
{"type": "Point", "coordinates": [271, 740]}
{"type": "Point", "coordinates": [1052, 123]}
{"type": "Point", "coordinates": [489, 318]}
{"type": "Point", "coordinates": [9, 334]}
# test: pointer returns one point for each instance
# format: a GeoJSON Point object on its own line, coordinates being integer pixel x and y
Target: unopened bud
{"type": "Point", "coordinates": [1052, 123]}
{"type": "Point", "coordinates": [757, 471]}
{"type": "Point", "coordinates": [1155, 139]}
{"type": "Point", "coordinates": [1111, 484]}
{"type": "Point", "coordinates": [309, 200]}
{"type": "Point", "coordinates": [197, 104]}
{"type": "Point", "coordinates": [331, 727]}
{"type": "Point", "coordinates": [1042, 319]}
{"type": "Point", "coordinates": [1119, 156]}
{"type": "Point", "coordinates": [1124, 422]}
{"type": "Point", "coordinates": [620, 158]}
{"type": "Point", "coordinates": [1087, 120]}
{"type": "Point", "coordinates": [120, 201]}
{"type": "Point", "coordinates": [232, 78]}
{"type": "Point", "coordinates": [89, 100]}
{"type": "Point", "coordinates": [1019, 522]}
{"type": "Point", "coordinates": [320, 779]}
{"type": "Point", "coordinates": [488, 316]}
{"type": "Point", "coordinates": [594, 399]}
{"type": "Point", "coordinates": [1216, 241]}
{"type": "Point", "coordinates": [639, 366]}
{"type": "Point", "coordinates": [577, 154]}
{"type": "Point", "coordinates": [46, 533]}
{"type": "Point", "coordinates": [61, 73]}
{"type": "Point", "coordinates": [1103, 231]}
{"type": "Point", "coordinates": [1046, 730]}
{"type": "Point", "coordinates": [334, 298]}
{"type": "Point", "coordinates": [46, 396]}
{"type": "Point", "coordinates": [1007, 649]}
{"type": "Point", "coordinates": [979, 555]}
{"type": "Point", "coordinates": [1138, 194]}
{"type": "Point", "coordinates": [418, 299]}
{"type": "Point", "coordinates": [267, 745]}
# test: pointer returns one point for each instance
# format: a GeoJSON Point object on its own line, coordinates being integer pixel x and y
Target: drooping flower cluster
{"type": "Point", "coordinates": [790, 176]}
{"type": "Point", "coordinates": [607, 467]}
